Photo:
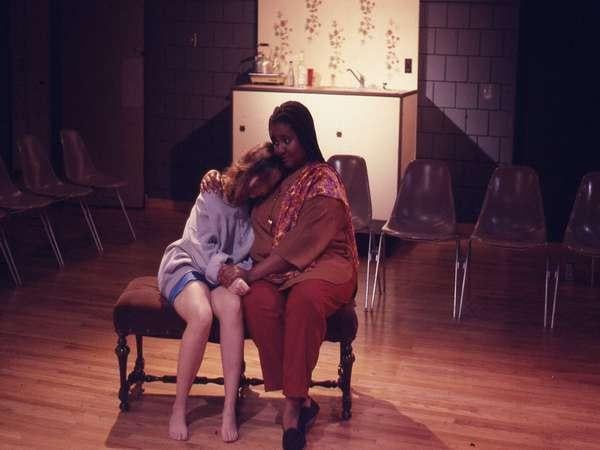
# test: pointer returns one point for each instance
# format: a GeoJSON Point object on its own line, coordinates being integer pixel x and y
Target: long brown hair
{"type": "Point", "coordinates": [258, 161]}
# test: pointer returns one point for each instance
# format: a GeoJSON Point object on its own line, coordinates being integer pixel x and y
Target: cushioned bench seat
{"type": "Point", "coordinates": [142, 311]}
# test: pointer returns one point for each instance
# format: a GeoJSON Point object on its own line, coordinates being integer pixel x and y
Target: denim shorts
{"type": "Point", "coordinates": [184, 280]}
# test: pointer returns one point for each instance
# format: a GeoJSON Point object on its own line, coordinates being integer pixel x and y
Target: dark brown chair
{"type": "Point", "coordinates": [5, 248]}
{"type": "Point", "coordinates": [142, 311]}
{"type": "Point", "coordinates": [424, 209]}
{"type": "Point", "coordinates": [582, 235]}
{"type": "Point", "coordinates": [39, 178]}
{"type": "Point", "coordinates": [80, 169]}
{"type": "Point", "coordinates": [353, 172]}
{"type": "Point", "coordinates": [512, 216]}
{"type": "Point", "coordinates": [17, 201]}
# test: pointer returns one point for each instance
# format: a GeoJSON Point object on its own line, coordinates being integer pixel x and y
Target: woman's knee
{"type": "Point", "coordinates": [263, 297]}
{"type": "Point", "coordinates": [193, 305]}
{"type": "Point", "coordinates": [225, 304]}
{"type": "Point", "coordinates": [303, 303]}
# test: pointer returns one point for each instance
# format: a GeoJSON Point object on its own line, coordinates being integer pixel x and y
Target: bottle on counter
{"type": "Point", "coordinates": [290, 76]}
{"type": "Point", "coordinates": [301, 71]}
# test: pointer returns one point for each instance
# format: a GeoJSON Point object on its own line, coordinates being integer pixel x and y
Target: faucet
{"type": "Point", "coordinates": [360, 77]}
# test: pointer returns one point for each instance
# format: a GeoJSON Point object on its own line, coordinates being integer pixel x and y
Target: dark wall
{"type": "Point", "coordinates": [557, 101]}
{"type": "Point", "coordinates": [30, 69]}
{"type": "Point", "coordinates": [467, 59]}
{"type": "Point", "coordinates": [193, 53]}
{"type": "Point", "coordinates": [5, 84]}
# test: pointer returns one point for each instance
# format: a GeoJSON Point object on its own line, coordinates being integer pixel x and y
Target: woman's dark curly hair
{"type": "Point", "coordinates": [298, 117]}
{"type": "Point", "coordinates": [258, 161]}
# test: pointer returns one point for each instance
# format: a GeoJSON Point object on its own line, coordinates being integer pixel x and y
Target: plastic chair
{"type": "Point", "coordinates": [5, 249]}
{"type": "Point", "coordinates": [353, 172]}
{"type": "Point", "coordinates": [582, 234]}
{"type": "Point", "coordinates": [16, 201]}
{"type": "Point", "coordinates": [512, 216]}
{"type": "Point", "coordinates": [424, 210]}
{"type": "Point", "coordinates": [80, 169]}
{"type": "Point", "coordinates": [39, 178]}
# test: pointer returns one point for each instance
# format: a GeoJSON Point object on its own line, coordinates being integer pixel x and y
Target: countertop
{"type": "Point", "coordinates": [324, 90]}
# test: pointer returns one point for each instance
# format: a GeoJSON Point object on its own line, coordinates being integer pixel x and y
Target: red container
{"type": "Point", "coordinates": [310, 75]}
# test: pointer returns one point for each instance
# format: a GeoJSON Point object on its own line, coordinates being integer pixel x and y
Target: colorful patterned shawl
{"type": "Point", "coordinates": [314, 179]}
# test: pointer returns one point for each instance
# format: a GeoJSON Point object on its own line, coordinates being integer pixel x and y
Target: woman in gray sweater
{"type": "Point", "coordinates": [217, 231]}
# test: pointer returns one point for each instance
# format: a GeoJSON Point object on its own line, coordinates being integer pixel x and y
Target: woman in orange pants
{"type": "Point", "coordinates": [305, 266]}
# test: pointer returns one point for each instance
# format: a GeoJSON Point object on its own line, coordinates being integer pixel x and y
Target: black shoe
{"type": "Point", "coordinates": [293, 439]}
{"type": "Point", "coordinates": [308, 415]}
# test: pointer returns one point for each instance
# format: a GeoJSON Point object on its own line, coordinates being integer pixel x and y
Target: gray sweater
{"type": "Point", "coordinates": [215, 232]}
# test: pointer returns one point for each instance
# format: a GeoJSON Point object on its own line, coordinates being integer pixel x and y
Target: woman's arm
{"type": "Point", "coordinates": [320, 219]}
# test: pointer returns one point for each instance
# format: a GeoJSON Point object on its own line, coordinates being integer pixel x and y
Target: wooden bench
{"type": "Point", "coordinates": [142, 311]}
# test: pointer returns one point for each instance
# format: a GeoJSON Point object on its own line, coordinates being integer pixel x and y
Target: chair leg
{"type": "Point", "coordinates": [555, 300]}
{"type": "Point", "coordinates": [368, 277]}
{"type": "Point", "coordinates": [377, 261]}
{"type": "Point", "coordinates": [87, 214]}
{"type": "Point", "coordinates": [347, 359]}
{"type": "Point", "coordinates": [138, 376]}
{"type": "Point", "coordinates": [465, 276]}
{"type": "Point", "coordinates": [10, 262]}
{"type": "Point", "coordinates": [122, 351]}
{"type": "Point", "coordinates": [456, 269]}
{"type": "Point", "coordinates": [381, 279]}
{"type": "Point", "coordinates": [125, 213]}
{"type": "Point", "coordinates": [51, 237]}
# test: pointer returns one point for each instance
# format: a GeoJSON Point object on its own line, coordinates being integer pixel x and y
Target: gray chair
{"type": "Point", "coordinates": [582, 235]}
{"type": "Point", "coordinates": [5, 249]}
{"type": "Point", "coordinates": [424, 210]}
{"type": "Point", "coordinates": [39, 178]}
{"type": "Point", "coordinates": [16, 201]}
{"type": "Point", "coordinates": [80, 169]}
{"type": "Point", "coordinates": [512, 216]}
{"type": "Point", "coordinates": [353, 172]}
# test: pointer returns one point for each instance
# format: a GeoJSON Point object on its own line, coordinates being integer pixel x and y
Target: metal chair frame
{"type": "Point", "coordinates": [353, 172]}
{"type": "Point", "coordinates": [40, 178]}
{"type": "Point", "coordinates": [535, 239]}
{"type": "Point", "coordinates": [15, 201]}
{"type": "Point", "coordinates": [85, 173]}
{"type": "Point", "coordinates": [6, 252]}
{"type": "Point", "coordinates": [438, 233]}
{"type": "Point", "coordinates": [584, 218]}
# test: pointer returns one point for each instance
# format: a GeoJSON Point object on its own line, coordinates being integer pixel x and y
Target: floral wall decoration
{"type": "Point", "coordinates": [281, 30]}
{"type": "Point", "coordinates": [366, 21]}
{"type": "Point", "coordinates": [372, 37]}
{"type": "Point", "coordinates": [392, 40]}
{"type": "Point", "coordinates": [313, 24]}
{"type": "Point", "coordinates": [336, 40]}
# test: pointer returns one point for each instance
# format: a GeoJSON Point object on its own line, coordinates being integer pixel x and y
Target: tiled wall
{"type": "Point", "coordinates": [468, 56]}
{"type": "Point", "coordinates": [193, 54]}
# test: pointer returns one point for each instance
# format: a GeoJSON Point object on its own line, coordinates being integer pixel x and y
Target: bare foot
{"type": "Point", "coordinates": [229, 430]}
{"type": "Point", "coordinates": [178, 429]}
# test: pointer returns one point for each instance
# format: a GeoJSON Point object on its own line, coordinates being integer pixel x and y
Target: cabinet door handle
{"type": "Point", "coordinates": [242, 128]}
{"type": "Point", "coordinates": [338, 133]}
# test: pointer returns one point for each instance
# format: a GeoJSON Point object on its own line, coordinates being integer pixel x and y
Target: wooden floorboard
{"type": "Point", "coordinates": [496, 380]}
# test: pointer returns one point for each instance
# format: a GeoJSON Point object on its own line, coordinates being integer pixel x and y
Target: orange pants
{"type": "Point", "coordinates": [289, 326]}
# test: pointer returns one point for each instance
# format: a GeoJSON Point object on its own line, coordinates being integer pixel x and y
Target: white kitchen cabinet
{"type": "Point", "coordinates": [380, 126]}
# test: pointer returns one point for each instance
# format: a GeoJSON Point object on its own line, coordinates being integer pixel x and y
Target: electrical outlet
{"type": "Point", "coordinates": [407, 65]}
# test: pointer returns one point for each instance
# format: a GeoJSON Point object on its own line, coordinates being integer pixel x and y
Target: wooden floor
{"type": "Point", "coordinates": [421, 381]}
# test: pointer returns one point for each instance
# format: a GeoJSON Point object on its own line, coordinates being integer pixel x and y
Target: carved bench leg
{"type": "Point", "coordinates": [345, 376]}
{"type": "Point", "coordinates": [122, 351]}
{"type": "Point", "coordinates": [138, 375]}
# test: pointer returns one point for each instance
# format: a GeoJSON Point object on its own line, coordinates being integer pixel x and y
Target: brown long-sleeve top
{"type": "Point", "coordinates": [319, 235]}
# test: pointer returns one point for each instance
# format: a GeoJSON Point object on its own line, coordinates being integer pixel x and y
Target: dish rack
{"type": "Point", "coordinates": [267, 78]}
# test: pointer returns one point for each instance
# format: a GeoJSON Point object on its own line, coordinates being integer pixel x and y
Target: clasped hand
{"type": "Point", "coordinates": [233, 278]}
